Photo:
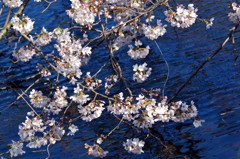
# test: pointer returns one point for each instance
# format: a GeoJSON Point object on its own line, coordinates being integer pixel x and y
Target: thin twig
{"type": "Point", "coordinates": [204, 62]}
{"type": "Point", "coordinates": [166, 65]}
{"type": "Point", "coordinates": [48, 151]}
{"type": "Point", "coordinates": [20, 96]}
{"type": "Point", "coordinates": [49, 3]}
{"type": "Point", "coordinates": [116, 127]}
{"type": "Point", "coordinates": [26, 102]}
{"type": "Point", "coordinates": [8, 17]}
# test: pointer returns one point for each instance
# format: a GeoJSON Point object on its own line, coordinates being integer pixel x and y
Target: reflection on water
{"type": "Point", "coordinates": [215, 89]}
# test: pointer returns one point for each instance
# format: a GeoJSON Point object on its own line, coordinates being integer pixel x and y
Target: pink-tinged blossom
{"type": "Point", "coordinates": [138, 52]}
{"type": "Point", "coordinates": [183, 18]}
{"type": "Point", "coordinates": [152, 32]}
{"type": "Point", "coordinates": [134, 145]}
{"type": "Point", "coordinates": [44, 38]}
{"type": "Point", "coordinates": [91, 82]}
{"type": "Point", "coordinates": [24, 54]}
{"type": "Point", "coordinates": [96, 150]}
{"type": "Point", "coordinates": [12, 3]}
{"type": "Point", "coordinates": [24, 25]}
{"type": "Point", "coordinates": [110, 82]}
{"type": "Point", "coordinates": [81, 13]}
{"type": "Point", "coordinates": [91, 111]}
{"type": "Point", "coordinates": [59, 101]}
{"type": "Point", "coordinates": [80, 97]}
{"type": "Point", "coordinates": [37, 99]}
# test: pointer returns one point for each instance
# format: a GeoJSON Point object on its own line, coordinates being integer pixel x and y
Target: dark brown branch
{"type": "Point", "coordinates": [206, 61]}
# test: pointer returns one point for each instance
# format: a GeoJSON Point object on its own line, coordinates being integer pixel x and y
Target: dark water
{"type": "Point", "coordinates": [215, 90]}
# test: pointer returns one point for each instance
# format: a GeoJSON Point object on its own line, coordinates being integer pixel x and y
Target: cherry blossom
{"type": "Point", "coordinates": [142, 72]}
{"type": "Point", "coordinates": [12, 3]}
{"type": "Point", "coordinates": [24, 25]}
{"type": "Point", "coordinates": [183, 18]}
{"type": "Point", "coordinates": [134, 145]}
{"type": "Point", "coordinates": [16, 149]}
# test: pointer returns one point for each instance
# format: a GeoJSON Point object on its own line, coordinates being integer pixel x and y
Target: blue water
{"type": "Point", "coordinates": [215, 89]}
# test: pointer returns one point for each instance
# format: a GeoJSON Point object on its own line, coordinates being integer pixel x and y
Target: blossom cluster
{"type": "Point", "coordinates": [96, 150]}
{"type": "Point", "coordinates": [80, 97]}
{"type": "Point", "coordinates": [235, 15]}
{"type": "Point", "coordinates": [81, 13]}
{"type": "Point", "coordinates": [146, 111]}
{"type": "Point", "coordinates": [12, 3]}
{"type": "Point", "coordinates": [138, 52]}
{"type": "Point", "coordinates": [142, 72]}
{"type": "Point", "coordinates": [91, 82]}
{"type": "Point", "coordinates": [126, 35]}
{"type": "Point", "coordinates": [72, 53]}
{"type": "Point", "coordinates": [134, 145]}
{"type": "Point", "coordinates": [44, 38]}
{"type": "Point", "coordinates": [38, 133]}
{"type": "Point", "coordinates": [24, 25]}
{"type": "Point", "coordinates": [28, 132]}
{"type": "Point", "coordinates": [16, 149]}
{"type": "Point", "coordinates": [92, 110]}
{"type": "Point", "coordinates": [73, 129]}
{"type": "Point", "coordinates": [110, 82]}
{"type": "Point", "coordinates": [37, 99]}
{"type": "Point", "coordinates": [152, 32]}
{"type": "Point", "coordinates": [59, 102]}
{"type": "Point", "coordinates": [183, 18]}
{"type": "Point", "coordinates": [55, 105]}
{"type": "Point", "coordinates": [25, 53]}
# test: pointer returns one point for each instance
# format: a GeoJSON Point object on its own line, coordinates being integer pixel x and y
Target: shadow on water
{"type": "Point", "coordinates": [215, 89]}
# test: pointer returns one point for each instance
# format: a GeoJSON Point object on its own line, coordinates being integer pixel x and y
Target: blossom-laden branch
{"type": "Point", "coordinates": [48, 121]}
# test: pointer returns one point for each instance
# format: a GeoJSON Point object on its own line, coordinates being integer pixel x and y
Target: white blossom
{"type": "Point", "coordinates": [16, 149]}
{"type": "Point", "coordinates": [73, 129]}
{"type": "Point", "coordinates": [12, 3]}
{"type": "Point", "coordinates": [81, 13]}
{"type": "Point", "coordinates": [24, 25]}
{"type": "Point", "coordinates": [142, 72]}
{"type": "Point", "coordinates": [37, 99]}
{"type": "Point", "coordinates": [209, 23]}
{"type": "Point", "coordinates": [134, 145]}
{"type": "Point", "coordinates": [235, 15]}
{"type": "Point", "coordinates": [152, 32]}
{"type": "Point", "coordinates": [80, 97]}
{"type": "Point", "coordinates": [91, 111]}
{"type": "Point", "coordinates": [44, 38]}
{"type": "Point", "coordinates": [198, 123]}
{"type": "Point", "coordinates": [96, 151]}
{"type": "Point", "coordinates": [138, 52]}
{"type": "Point", "coordinates": [183, 18]}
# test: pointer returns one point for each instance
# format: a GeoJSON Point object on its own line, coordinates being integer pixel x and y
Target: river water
{"type": "Point", "coordinates": [215, 89]}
